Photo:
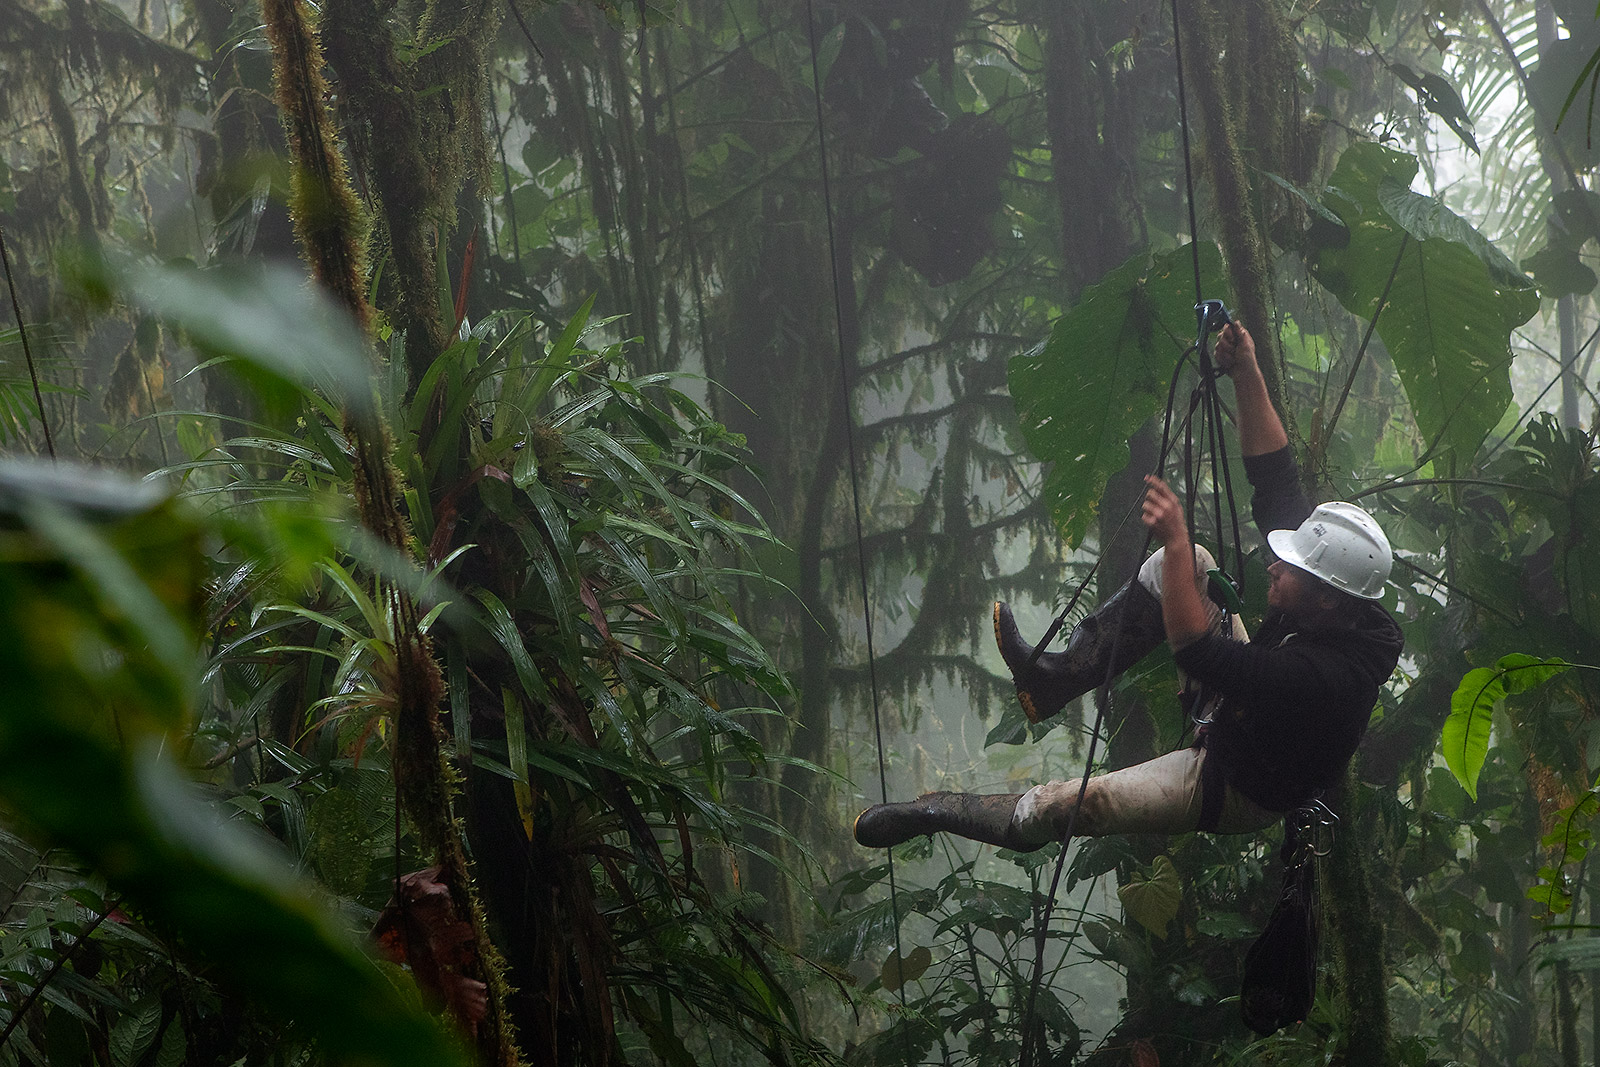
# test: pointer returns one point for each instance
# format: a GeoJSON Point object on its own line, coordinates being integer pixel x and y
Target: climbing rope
{"type": "Point", "coordinates": [1211, 315]}
{"type": "Point", "coordinates": [1202, 401]}
{"type": "Point", "coordinates": [855, 477]}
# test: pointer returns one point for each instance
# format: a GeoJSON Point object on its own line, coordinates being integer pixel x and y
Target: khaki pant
{"type": "Point", "coordinates": [1159, 796]}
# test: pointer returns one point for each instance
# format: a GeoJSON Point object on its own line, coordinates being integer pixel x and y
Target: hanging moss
{"type": "Point", "coordinates": [65, 128]}
{"type": "Point", "coordinates": [328, 219]}
{"type": "Point", "coordinates": [91, 41]}
{"type": "Point", "coordinates": [417, 127]}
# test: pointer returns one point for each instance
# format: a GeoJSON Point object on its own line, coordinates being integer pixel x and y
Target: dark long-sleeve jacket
{"type": "Point", "coordinates": [1296, 702]}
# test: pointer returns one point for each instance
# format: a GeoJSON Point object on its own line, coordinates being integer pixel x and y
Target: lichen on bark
{"type": "Point", "coordinates": [417, 128]}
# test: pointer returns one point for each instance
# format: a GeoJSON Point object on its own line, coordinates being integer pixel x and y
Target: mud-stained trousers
{"type": "Point", "coordinates": [1166, 795]}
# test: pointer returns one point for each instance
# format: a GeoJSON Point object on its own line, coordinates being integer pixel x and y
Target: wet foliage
{"type": "Point", "coordinates": [444, 636]}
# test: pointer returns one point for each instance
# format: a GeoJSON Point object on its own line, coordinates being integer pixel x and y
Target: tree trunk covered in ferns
{"type": "Point", "coordinates": [330, 226]}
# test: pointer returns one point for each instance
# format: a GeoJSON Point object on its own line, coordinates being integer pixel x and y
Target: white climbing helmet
{"type": "Point", "coordinates": [1342, 545]}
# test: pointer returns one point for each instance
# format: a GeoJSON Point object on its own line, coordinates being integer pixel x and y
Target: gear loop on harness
{"type": "Point", "coordinates": [1313, 828]}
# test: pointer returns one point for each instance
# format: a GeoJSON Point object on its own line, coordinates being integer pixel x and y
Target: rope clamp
{"type": "Point", "coordinates": [1224, 591]}
{"type": "Point", "coordinates": [1211, 316]}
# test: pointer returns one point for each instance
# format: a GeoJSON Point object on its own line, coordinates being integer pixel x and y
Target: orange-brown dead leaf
{"type": "Point", "coordinates": [422, 930]}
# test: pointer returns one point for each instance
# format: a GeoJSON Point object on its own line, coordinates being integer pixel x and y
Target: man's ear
{"type": "Point", "coordinates": [1331, 599]}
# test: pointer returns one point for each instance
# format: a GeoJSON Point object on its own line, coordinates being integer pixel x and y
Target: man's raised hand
{"type": "Point", "coordinates": [1163, 513]}
{"type": "Point", "coordinates": [1235, 349]}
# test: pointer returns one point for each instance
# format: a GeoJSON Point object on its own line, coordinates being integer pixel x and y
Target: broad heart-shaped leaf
{"type": "Point", "coordinates": [1560, 272]}
{"type": "Point", "coordinates": [1454, 302]}
{"type": "Point", "coordinates": [897, 972]}
{"type": "Point", "coordinates": [1465, 738]}
{"type": "Point", "coordinates": [1153, 902]}
{"type": "Point", "coordinates": [1104, 370]}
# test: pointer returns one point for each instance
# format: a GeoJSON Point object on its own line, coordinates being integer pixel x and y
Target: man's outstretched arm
{"type": "Point", "coordinates": [1260, 429]}
{"type": "Point", "coordinates": [1279, 502]}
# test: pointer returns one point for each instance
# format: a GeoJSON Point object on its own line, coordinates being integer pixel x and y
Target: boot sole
{"type": "Point", "coordinates": [1024, 697]}
{"type": "Point", "coordinates": [888, 841]}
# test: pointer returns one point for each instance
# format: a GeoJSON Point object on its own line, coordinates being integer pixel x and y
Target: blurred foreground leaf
{"type": "Point", "coordinates": [268, 323]}
{"type": "Point", "coordinates": [99, 609]}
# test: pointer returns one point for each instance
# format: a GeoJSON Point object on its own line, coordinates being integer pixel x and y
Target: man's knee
{"type": "Point", "coordinates": [1045, 812]}
{"type": "Point", "coordinates": [1150, 571]}
{"type": "Point", "coordinates": [1095, 813]}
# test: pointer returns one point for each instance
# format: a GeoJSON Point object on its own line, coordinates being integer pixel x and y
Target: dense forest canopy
{"type": "Point", "coordinates": [491, 489]}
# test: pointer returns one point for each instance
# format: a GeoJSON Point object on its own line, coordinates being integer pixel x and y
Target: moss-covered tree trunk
{"type": "Point", "coordinates": [418, 130]}
{"type": "Point", "coordinates": [1239, 61]}
{"type": "Point", "coordinates": [1241, 69]}
{"type": "Point", "coordinates": [330, 225]}
{"type": "Point", "coordinates": [1357, 932]}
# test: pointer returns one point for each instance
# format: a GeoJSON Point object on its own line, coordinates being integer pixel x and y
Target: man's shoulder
{"type": "Point", "coordinates": [1370, 630]}
{"type": "Point", "coordinates": [1371, 637]}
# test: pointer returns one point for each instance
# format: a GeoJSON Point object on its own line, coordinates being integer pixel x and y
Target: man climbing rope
{"type": "Point", "coordinates": [1294, 699]}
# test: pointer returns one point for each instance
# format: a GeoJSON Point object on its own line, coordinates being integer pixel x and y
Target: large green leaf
{"type": "Point", "coordinates": [1105, 370]}
{"type": "Point", "coordinates": [1453, 303]}
{"type": "Point", "coordinates": [95, 696]}
{"type": "Point", "coordinates": [1153, 900]}
{"type": "Point", "coordinates": [1465, 738]}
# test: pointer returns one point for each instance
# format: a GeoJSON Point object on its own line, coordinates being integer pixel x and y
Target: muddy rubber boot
{"type": "Point", "coordinates": [1130, 620]}
{"type": "Point", "coordinates": [976, 816]}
